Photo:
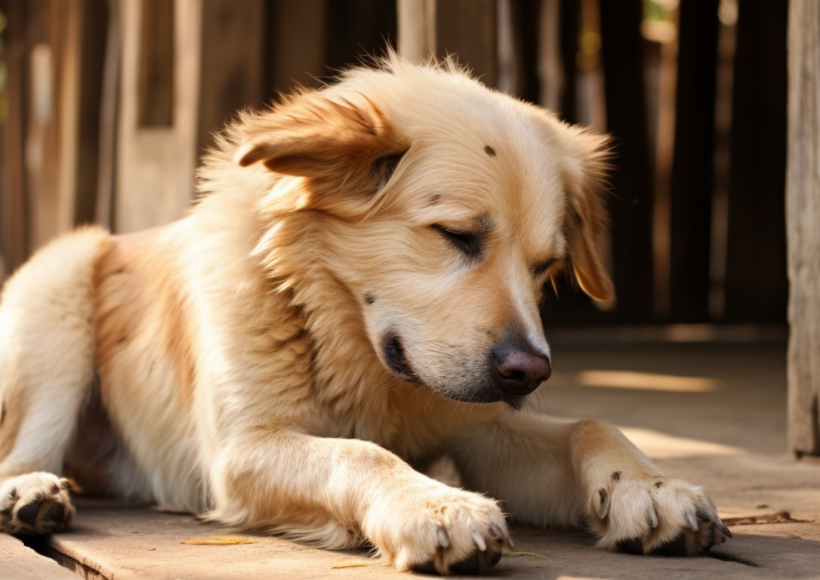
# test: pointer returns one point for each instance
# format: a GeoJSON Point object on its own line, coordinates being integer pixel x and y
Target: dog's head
{"type": "Point", "coordinates": [444, 208]}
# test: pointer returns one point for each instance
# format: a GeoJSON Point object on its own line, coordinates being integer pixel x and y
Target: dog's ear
{"type": "Point", "coordinates": [585, 179]}
{"type": "Point", "coordinates": [322, 136]}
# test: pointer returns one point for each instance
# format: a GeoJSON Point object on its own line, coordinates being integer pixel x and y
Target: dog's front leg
{"type": "Point", "coordinates": [587, 473]}
{"type": "Point", "coordinates": [339, 492]}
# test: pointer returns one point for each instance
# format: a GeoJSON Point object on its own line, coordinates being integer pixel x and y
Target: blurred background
{"type": "Point", "coordinates": [106, 106]}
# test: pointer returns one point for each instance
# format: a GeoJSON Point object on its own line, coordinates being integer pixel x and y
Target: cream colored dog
{"type": "Point", "coordinates": [355, 293]}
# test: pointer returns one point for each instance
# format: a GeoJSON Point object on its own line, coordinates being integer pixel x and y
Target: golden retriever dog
{"type": "Point", "coordinates": [355, 293]}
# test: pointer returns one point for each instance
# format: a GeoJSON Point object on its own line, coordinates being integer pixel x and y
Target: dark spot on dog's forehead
{"type": "Point", "coordinates": [489, 151]}
{"type": "Point", "coordinates": [486, 223]}
{"type": "Point", "coordinates": [369, 298]}
{"type": "Point", "coordinates": [434, 198]}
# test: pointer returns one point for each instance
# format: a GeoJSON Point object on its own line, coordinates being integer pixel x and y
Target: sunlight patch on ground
{"type": "Point", "coordinates": [646, 381]}
{"type": "Point", "coordinates": [662, 446]}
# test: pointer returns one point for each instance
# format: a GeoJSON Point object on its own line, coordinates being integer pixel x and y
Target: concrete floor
{"type": "Point", "coordinates": [712, 414]}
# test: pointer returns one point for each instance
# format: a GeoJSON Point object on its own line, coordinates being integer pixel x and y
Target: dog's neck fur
{"type": "Point", "coordinates": [342, 357]}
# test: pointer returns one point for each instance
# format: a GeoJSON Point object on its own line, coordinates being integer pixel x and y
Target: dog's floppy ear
{"type": "Point", "coordinates": [586, 185]}
{"type": "Point", "coordinates": [320, 135]}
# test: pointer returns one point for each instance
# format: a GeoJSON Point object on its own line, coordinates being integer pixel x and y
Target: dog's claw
{"type": "Point", "coordinates": [693, 523]}
{"type": "Point", "coordinates": [653, 517]}
{"type": "Point", "coordinates": [443, 538]}
{"type": "Point", "coordinates": [479, 541]}
{"type": "Point", "coordinates": [703, 515]}
{"type": "Point", "coordinates": [508, 541]}
{"type": "Point", "coordinates": [602, 506]}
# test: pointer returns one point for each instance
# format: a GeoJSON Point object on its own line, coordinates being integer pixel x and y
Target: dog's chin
{"type": "Point", "coordinates": [483, 396]}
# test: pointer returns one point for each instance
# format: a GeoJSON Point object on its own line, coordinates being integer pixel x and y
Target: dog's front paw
{"type": "Point", "coordinates": [655, 515]}
{"type": "Point", "coordinates": [443, 530]}
{"type": "Point", "coordinates": [35, 503]}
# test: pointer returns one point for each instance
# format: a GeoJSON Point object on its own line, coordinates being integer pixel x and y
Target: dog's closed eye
{"type": "Point", "coordinates": [541, 268]}
{"type": "Point", "coordinates": [468, 243]}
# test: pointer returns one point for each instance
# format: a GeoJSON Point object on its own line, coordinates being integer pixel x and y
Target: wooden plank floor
{"type": "Point", "coordinates": [713, 414]}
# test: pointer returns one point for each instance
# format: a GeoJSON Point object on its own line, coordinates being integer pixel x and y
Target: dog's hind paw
{"type": "Point", "coordinates": [35, 503]}
{"type": "Point", "coordinates": [655, 515]}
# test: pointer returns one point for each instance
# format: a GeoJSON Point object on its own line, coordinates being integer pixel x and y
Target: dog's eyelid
{"type": "Point", "coordinates": [468, 242]}
{"type": "Point", "coordinates": [541, 268]}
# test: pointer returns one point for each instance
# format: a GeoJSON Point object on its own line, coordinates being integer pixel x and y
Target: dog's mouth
{"type": "Point", "coordinates": [396, 358]}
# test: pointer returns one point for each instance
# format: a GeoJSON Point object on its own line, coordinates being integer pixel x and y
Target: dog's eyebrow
{"type": "Point", "coordinates": [486, 223]}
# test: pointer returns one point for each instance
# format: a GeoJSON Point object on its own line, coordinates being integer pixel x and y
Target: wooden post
{"type": "Point", "coordinates": [468, 29]}
{"type": "Point", "coordinates": [803, 226]}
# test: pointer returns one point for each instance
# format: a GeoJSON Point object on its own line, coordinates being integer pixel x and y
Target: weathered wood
{"type": "Point", "coordinates": [156, 64]}
{"type": "Point", "coordinates": [233, 65]}
{"type": "Point", "coordinates": [357, 29]}
{"type": "Point", "coordinates": [417, 29]}
{"type": "Point", "coordinates": [296, 44]}
{"type": "Point", "coordinates": [13, 215]}
{"type": "Point", "coordinates": [467, 28]}
{"type": "Point", "coordinates": [756, 282]}
{"type": "Point", "coordinates": [569, 16]}
{"type": "Point", "coordinates": [692, 170]}
{"type": "Point", "coordinates": [155, 164]}
{"type": "Point", "coordinates": [631, 204]}
{"type": "Point", "coordinates": [93, 30]}
{"type": "Point", "coordinates": [803, 219]}
{"type": "Point", "coordinates": [109, 106]}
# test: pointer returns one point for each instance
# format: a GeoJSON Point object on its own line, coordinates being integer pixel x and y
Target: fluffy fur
{"type": "Point", "coordinates": [328, 315]}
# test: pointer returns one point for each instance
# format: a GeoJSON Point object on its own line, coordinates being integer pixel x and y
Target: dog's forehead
{"type": "Point", "coordinates": [499, 163]}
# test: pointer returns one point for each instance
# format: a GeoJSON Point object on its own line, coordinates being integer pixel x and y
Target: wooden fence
{"type": "Point", "coordinates": [111, 103]}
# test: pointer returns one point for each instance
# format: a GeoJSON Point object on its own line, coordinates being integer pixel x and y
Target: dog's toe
{"type": "Point", "coordinates": [28, 513]}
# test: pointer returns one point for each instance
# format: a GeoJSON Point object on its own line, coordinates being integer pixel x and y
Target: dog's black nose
{"type": "Point", "coordinates": [519, 372]}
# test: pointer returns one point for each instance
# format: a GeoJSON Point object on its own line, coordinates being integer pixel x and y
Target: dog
{"type": "Point", "coordinates": [355, 292]}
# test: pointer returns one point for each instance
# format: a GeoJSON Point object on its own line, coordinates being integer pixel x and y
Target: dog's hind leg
{"type": "Point", "coordinates": [46, 369]}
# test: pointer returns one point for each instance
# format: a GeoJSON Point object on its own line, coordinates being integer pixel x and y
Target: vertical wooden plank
{"type": "Point", "coordinates": [155, 71]}
{"type": "Point", "coordinates": [569, 15]}
{"type": "Point", "coordinates": [803, 215]}
{"type": "Point", "coordinates": [756, 282]}
{"type": "Point", "coordinates": [44, 26]}
{"type": "Point", "coordinates": [416, 29]}
{"type": "Point", "coordinates": [109, 106]}
{"type": "Point", "coordinates": [66, 32]}
{"type": "Point", "coordinates": [91, 51]}
{"type": "Point", "coordinates": [467, 28]}
{"type": "Point", "coordinates": [156, 164]}
{"type": "Point", "coordinates": [356, 29]}
{"type": "Point", "coordinates": [296, 44]}
{"type": "Point", "coordinates": [631, 203]}
{"type": "Point", "coordinates": [232, 63]}
{"type": "Point", "coordinates": [692, 170]}
{"type": "Point", "coordinates": [13, 214]}
{"type": "Point", "coordinates": [527, 18]}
